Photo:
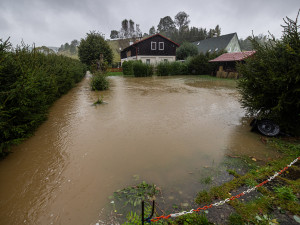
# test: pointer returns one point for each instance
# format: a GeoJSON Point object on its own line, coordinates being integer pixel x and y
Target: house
{"type": "Point", "coordinates": [227, 63]}
{"type": "Point", "coordinates": [228, 43]}
{"type": "Point", "coordinates": [151, 50]}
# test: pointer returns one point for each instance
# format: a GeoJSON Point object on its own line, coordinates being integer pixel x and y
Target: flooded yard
{"type": "Point", "coordinates": [164, 130]}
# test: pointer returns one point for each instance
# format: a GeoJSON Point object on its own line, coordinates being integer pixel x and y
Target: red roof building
{"type": "Point", "coordinates": [227, 63]}
{"type": "Point", "coordinates": [233, 56]}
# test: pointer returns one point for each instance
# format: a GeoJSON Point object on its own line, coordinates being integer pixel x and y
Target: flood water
{"type": "Point", "coordinates": [165, 130]}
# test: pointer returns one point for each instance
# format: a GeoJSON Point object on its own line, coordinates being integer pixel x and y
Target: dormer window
{"type": "Point", "coordinates": [161, 45]}
{"type": "Point", "coordinates": [153, 45]}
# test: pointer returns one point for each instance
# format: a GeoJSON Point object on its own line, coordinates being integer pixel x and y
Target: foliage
{"type": "Point", "coordinates": [152, 31]}
{"type": "Point", "coordinates": [91, 47]}
{"type": "Point", "coordinates": [127, 67]}
{"type": "Point", "coordinates": [192, 219]}
{"type": "Point", "coordinates": [186, 50]}
{"type": "Point", "coordinates": [142, 69]}
{"type": "Point", "coordinates": [163, 69]}
{"type": "Point", "coordinates": [182, 20]}
{"type": "Point", "coordinates": [30, 82]}
{"type": "Point", "coordinates": [198, 65]}
{"type": "Point", "coordinates": [236, 219]}
{"type": "Point", "coordinates": [99, 101]}
{"type": "Point", "coordinates": [271, 79]}
{"type": "Point", "coordinates": [285, 193]}
{"type": "Point", "coordinates": [264, 220]}
{"type": "Point", "coordinates": [136, 194]}
{"type": "Point", "coordinates": [166, 25]}
{"type": "Point", "coordinates": [99, 82]}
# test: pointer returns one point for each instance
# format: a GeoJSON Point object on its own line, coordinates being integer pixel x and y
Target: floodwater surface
{"type": "Point", "coordinates": [163, 129]}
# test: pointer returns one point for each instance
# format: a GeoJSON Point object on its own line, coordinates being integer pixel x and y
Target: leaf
{"type": "Point", "coordinates": [297, 218]}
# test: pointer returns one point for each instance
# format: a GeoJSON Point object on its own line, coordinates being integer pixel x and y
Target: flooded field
{"type": "Point", "coordinates": [166, 131]}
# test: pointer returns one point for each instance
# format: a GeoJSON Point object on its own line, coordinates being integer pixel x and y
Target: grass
{"type": "Point", "coordinates": [114, 74]}
{"type": "Point", "coordinates": [282, 197]}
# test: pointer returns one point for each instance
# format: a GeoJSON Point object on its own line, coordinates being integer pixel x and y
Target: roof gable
{"type": "Point", "coordinates": [137, 42]}
{"type": "Point", "coordinates": [214, 44]}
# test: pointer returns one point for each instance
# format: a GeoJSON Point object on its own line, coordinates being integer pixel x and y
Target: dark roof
{"type": "Point", "coordinates": [149, 38]}
{"type": "Point", "coordinates": [219, 43]}
{"type": "Point", "coordinates": [233, 56]}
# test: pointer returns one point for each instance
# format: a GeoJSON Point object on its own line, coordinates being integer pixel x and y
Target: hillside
{"type": "Point", "coordinates": [116, 45]}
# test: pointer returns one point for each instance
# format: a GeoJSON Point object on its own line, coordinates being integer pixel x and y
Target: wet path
{"type": "Point", "coordinates": [162, 129]}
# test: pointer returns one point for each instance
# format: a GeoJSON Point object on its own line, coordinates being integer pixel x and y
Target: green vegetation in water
{"type": "Point", "coordinates": [30, 82]}
{"type": "Point", "coordinates": [99, 101]}
{"type": "Point", "coordinates": [99, 82]}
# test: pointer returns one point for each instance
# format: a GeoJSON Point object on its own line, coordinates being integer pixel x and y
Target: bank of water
{"type": "Point", "coordinates": [165, 130]}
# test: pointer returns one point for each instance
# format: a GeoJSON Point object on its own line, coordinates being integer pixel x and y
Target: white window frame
{"type": "Point", "coordinates": [163, 45]}
{"type": "Point", "coordinates": [148, 61]}
{"type": "Point", "coordinates": [153, 42]}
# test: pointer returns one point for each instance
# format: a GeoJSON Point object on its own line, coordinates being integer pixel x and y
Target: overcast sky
{"type": "Point", "coordinates": [55, 22]}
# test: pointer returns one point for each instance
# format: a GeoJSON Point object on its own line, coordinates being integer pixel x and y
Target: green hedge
{"type": "Point", "coordinates": [141, 69]}
{"type": "Point", "coordinates": [30, 82]}
{"type": "Point", "coordinates": [127, 67]}
{"type": "Point", "coordinates": [172, 68]}
{"type": "Point", "coordinates": [99, 82]}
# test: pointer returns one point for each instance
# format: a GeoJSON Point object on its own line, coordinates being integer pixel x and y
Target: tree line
{"type": "Point", "coordinates": [177, 29]}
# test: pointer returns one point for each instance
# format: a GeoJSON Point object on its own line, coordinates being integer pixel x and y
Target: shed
{"type": "Point", "coordinates": [227, 63]}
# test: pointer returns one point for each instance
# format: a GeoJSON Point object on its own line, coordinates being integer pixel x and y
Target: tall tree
{"type": "Point", "coordinates": [114, 34]}
{"type": "Point", "coordinates": [182, 20]}
{"type": "Point", "coordinates": [138, 31]}
{"type": "Point", "coordinates": [218, 30]}
{"type": "Point", "coordinates": [166, 25]}
{"type": "Point", "coordinates": [125, 28]}
{"type": "Point", "coordinates": [152, 31]}
{"type": "Point", "coordinates": [92, 46]}
{"type": "Point", "coordinates": [131, 28]}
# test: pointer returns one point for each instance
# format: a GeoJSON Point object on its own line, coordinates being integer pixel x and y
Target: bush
{"type": "Point", "coordinates": [30, 82]}
{"type": "Point", "coordinates": [141, 69]}
{"type": "Point", "coordinates": [198, 65]}
{"type": "Point", "coordinates": [99, 82]}
{"type": "Point", "coordinates": [163, 69]}
{"type": "Point", "coordinates": [271, 79]}
{"type": "Point", "coordinates": [186, 50]}
{"type": "Point", "coordinates": [127, 67]}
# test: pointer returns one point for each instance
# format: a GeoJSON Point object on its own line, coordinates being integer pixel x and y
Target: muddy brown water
{"type": "Point", "coordinates": [163, 129]}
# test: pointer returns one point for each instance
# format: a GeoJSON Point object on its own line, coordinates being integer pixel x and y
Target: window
{"type": "Point", "coordinates": [153, 45]}
{"type": "Point", "coordinates": [148, 61]}
{"type": "Point", "coordinates": [161, 45]}
{"type": "Point", "coordinates": [166, 60]}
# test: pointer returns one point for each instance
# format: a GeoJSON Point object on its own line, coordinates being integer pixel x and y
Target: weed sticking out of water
{"type": "Point", "coordinates": [233, 173]}
{"type": "Point", "coordinates": [206, 180]}
{"type": "Point", "coordinates": [134, 195]}
{"type": "Point", "coordinates": [99, 101]}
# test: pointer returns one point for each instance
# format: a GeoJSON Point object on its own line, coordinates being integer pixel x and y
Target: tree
{"type": "Point", "coordinates": [166, 25]}
{"type": "Point", "coordinates": [114, 34]}
{"type": "Point", "coordinates": [125, 28]}
{"type": "Point", "coordinates": [271, 79]}
{"type": "Point", "coordinates": [218, 30]}
{"type": "Point", "coordinates": [138, 32]}
{"type": "Point", "coordinates": [152, 31]}
{"type": "Point", "coordinates": [182, 20]}
{"type": "Point", "coordinates": [131, 28]}
{"type": "Point", "coordinates": [92, 46]}
{"type": "Point", "coordinates": [185, 50]}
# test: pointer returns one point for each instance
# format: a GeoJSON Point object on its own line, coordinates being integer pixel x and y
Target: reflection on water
{"type": "Point", "coordinates": [162, 129]}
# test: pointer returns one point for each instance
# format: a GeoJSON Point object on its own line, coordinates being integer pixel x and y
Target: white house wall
{"type": "Point", "coordinates": [153, 59]}
{"type": "Point", "coordinates": [233, 45]}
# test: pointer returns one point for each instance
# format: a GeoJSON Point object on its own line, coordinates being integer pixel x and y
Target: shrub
{"type": "Point", "coordinates": [127, 67]}
{"type": "Point", "coordinates": [186, 50]}
{"type": "Point", "coordinates": [30, 82]}
{"type": "Point", "coordinates": [163, 69]}
{"type": "Point", "coordinates": [99, 82]}
{"type": "Point", "coordinates": [271, 79]}
{"type": "Point", "coordinates": [141, 69]}
{"type": "Point", "coordinates": [198, 65]}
